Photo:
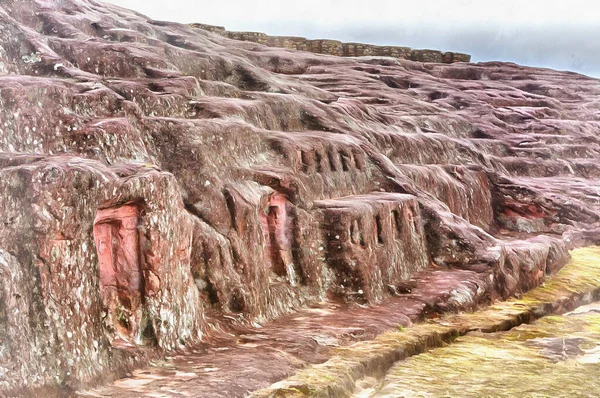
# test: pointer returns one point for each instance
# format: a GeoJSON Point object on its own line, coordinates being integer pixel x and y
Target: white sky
{"type": "Point", "coordinates": [560, 34]}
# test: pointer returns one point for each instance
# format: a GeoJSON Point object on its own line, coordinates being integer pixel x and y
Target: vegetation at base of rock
{"type": "Point", "coordinates": [164, 188]}
{"type": "Point", "coordinates": [575, 284]}
{"type": "Point", "coordinates": [507, 364]}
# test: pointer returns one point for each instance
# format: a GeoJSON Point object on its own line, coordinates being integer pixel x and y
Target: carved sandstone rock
{"type": "Point", "coordinates": [157, 179]}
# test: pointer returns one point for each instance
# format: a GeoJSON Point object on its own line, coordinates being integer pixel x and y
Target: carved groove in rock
{"type": "Point", "coordinates": [267, 181]}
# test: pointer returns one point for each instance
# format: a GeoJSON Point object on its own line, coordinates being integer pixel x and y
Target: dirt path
{"type": "Point", "coordinates": [333, 350]}
{"type": "Point", "coordinates": [249, 358]}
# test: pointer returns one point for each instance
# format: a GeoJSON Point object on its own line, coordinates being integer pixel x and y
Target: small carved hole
{"type": "Point", "coordinates": [379, 227]}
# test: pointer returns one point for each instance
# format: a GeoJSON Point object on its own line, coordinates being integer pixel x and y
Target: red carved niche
{"type": "Point", "coordinates": [278, 232]}
{"type": "Point", "coordinates": [117, 245]}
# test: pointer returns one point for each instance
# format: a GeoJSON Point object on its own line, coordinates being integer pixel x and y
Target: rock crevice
{"type": "Point", "coordinates": [161, 184]}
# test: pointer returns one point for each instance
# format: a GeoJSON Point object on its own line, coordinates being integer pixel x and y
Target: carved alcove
{"type": "Point", "coordinates": [121, 280]}
{"type": "Point", "coordinates": [277, 225]}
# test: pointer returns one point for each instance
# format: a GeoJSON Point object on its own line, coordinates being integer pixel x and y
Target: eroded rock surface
{"type": "Point", "coordinates": [158, 178]}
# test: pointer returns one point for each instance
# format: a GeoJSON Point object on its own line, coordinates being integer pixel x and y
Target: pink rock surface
{"type": "Point", "coordinates": [158, 180]}
{"type": "Point", "coordinates": [118, 247]}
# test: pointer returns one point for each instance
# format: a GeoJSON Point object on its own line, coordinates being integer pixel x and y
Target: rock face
{"type": "Point", "coordinates": [156, 177]}
{"type": "Point", "coordinates": [338, 48]}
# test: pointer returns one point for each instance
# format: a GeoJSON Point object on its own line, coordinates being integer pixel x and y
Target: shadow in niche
{"type": "Point", "coordinates": [121, 279]}
{"type": "Point", "coordinates": [277, 223]}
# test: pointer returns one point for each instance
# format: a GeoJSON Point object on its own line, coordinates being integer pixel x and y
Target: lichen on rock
{"type": "Point", "coordinates": [162, 185]}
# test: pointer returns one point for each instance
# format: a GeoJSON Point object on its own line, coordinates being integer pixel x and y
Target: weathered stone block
{"type": "Point", "coordinates": [373, 241]}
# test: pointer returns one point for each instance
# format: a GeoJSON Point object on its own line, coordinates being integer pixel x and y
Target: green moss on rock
{"type": "Point", "coordinates": [577, 283]}
{"type": "Point", "coordinates": [554, 357]}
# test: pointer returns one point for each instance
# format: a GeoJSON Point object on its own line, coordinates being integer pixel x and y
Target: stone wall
{"type": "Point", "coordinates": [338, 48]}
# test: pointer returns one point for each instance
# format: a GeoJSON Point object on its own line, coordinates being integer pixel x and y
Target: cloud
{"type": "Point", "coordinates": [557, 47]}
{"type": "Point", "coordinates": [557, 34]}
{"type": "Point", "coordinates": [382, 12]}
